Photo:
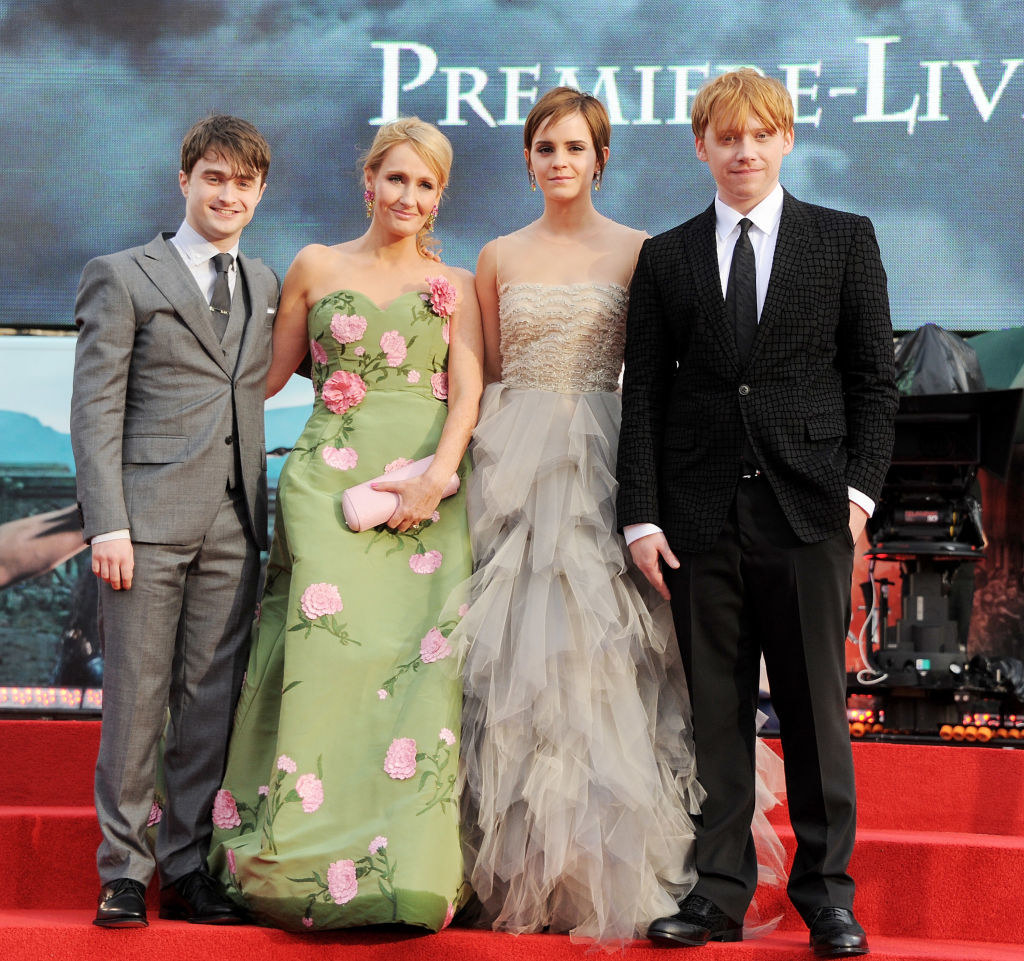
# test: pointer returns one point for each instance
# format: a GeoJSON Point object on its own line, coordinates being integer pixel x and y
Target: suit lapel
{"type": "Point", "coordinates": [702, 244]}
{"type": "Point", "coordinates": [167, 270]}
{"type": "Point", "coordinates": [794, 240]}
{"type": "Point", "coordinates": [257, 299]}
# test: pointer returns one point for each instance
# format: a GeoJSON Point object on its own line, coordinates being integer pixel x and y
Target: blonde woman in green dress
{"type": "Point", "coordinates": [338, 806]}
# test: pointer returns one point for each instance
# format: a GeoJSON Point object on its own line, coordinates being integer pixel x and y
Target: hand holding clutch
{"type": "Point", "coordinates": [365, 508]}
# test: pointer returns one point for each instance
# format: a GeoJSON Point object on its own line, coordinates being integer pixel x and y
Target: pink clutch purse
{"type": "Point", "coordinates": [364, 507]}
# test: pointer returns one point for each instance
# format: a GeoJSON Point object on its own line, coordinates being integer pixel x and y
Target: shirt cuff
{"type": "Point", "coordinates": [864, 502]}
{"type": "Point", "coordinates": [121, 535]}
{"type": "Point", "coordinates": [633, 532]}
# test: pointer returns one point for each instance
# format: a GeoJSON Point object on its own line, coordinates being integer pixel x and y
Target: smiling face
{"type": "Point", "coordinates": [563, 158]}
{"type": "Point", "coordinates": [405, 190]}
{"type": "Point", "coordinates": [219, 200]}
{"type": "Point", "coordinates": [745, 159]}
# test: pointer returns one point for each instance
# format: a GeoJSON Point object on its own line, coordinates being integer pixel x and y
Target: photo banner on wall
{"type": "Point", "coordinates": [909, 113]}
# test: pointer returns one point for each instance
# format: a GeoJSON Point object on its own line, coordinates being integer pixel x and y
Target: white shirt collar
{"type": "Point", "coordinates": [765, 216]}
{"type": "Point", "coordinates": [196, 249]}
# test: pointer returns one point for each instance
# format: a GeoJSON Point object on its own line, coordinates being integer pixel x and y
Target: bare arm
{"type": "Point", "coordinates": [291, 337]}
{"type": "Point", "coordinates": [419, 496]}
{"type": "Point", "coordinates": [33, 545]}
{"type": "Point", "coordinates": [487, 295]}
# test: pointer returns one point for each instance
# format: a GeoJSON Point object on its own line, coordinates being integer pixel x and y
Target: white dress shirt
{"type": "Point", "coordinates": [763, 234]}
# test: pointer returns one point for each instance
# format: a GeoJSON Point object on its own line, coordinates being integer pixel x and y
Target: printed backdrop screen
{"type": "Point", "coordinates": [908, 112]}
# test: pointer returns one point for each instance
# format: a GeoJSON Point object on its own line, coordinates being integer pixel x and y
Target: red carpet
{"type": "Point", "coordinates": [939, 865]}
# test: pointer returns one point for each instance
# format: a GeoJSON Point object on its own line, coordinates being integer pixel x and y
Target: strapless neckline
{"type": "Point", "coordinates": [358, 293]}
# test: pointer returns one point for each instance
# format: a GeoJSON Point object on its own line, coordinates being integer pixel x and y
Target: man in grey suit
{"type": "Point", "coordinates": [167, 430]}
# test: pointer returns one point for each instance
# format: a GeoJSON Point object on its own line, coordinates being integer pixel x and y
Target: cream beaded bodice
{"type": "Point", "coordinates": [567, 338]}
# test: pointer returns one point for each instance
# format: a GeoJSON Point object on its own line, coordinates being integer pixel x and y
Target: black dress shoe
{"type": "Point", "coordinates": [122, 904]}
{"type": "Point", "coordinates": [197, 898]}
{"type": "Point", "coordinates": [835, 933]}
{"type": "Point", "coordinates": [697, 921]}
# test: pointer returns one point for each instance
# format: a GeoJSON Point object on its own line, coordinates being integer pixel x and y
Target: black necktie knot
{"type": "Point", "coordinates": [223, 262]}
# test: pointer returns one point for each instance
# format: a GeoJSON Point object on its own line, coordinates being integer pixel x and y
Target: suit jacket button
{"type": "Point", "coordinates": [744, 390]}
{"type": "Point", "coordinates": [228, 439]}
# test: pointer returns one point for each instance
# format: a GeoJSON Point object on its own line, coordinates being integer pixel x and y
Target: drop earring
{"type": "Point", "coordinates": [368, 199]}
{"type": "Point", "coordinates": [533, 181]}
{"type": "Point", "coordinates": [597, 181]}
{"type": "Point", "coordinates": [431, 219]}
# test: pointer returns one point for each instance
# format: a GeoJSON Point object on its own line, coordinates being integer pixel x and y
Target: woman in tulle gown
{"type": "Point", "coordinates": [579, 783]}
{"type": "Point", "coordinates": [339, 804]}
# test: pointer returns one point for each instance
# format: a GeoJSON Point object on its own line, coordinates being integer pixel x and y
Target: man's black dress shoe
{"type": "Point", "coordinates": [835, 933]}
{"type": "Point", "coordinates": [122, 904]}
{"type": "Point", "coordinates": [697, 921]}
{"type": "Point", "coordinates": [197, 898]}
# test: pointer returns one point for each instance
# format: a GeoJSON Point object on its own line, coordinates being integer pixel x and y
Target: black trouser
{"type": "Point", "coordinates": [761, 589]}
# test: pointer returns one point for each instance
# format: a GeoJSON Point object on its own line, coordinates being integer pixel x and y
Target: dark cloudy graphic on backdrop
{"type": "Point", "coordinates": [910, 113]}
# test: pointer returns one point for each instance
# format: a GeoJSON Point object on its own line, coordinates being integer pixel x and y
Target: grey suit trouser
{"type": "Point", "coordinates": [177, 640]}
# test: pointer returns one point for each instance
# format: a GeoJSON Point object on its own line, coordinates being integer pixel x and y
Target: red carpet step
{"type": "Point", "coordinates": [68, 936]}
{"type": "Point", "coordinates": [939, 864]}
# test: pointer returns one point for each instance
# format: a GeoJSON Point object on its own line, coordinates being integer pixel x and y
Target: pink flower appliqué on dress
{"type": "Point", "coordinates": [307, 922]}
{"type": "Point", "coordinates": [413, 377]}
{"type": "Point", "coordinates": [343, 390]}
{"type": "Point", "coordinates": [378, 844]}
{"type": "Point", "coordinates": [439, 384]}
{"type": "Point", "coordinates": [311, 789]}
{"type": "Point", "coordinates": [318, 353]}
{"type": "Point", "coordinates": [425, 563]}
{"type": "Point", "coordinates": [463, 610]}
{"type": "Point", "coordinates": [346, 328]}
{"type": "Point", "coordinates": [156, 814]}
{"type": "Point", "coordinates": [341, 881]}
{"type": "Point", "coordinates": [286, 764]}
{"type": "Point", "coordinates": [443, 296]}
{"type": "Point", "coordinates": [225, 812]}
{"type": "Point", "coordinates": [232, 863]}
{"type": "Point", "coordinates": [382, 694]}
{"type": "Point", "coordinates": [320, 599]}
{"type": "Point", "coordinates": [400, 762]}
{"type": "Point", "coordinates": [434, 646]}
{"type": "Point", "coordinates": [447, 735]}
{"type": "Point", "coordinates": [396, 463]}
{"type": "Point", "coordinates": [340, 458]}
{"type": "Point", "coordinates": [393, 345]}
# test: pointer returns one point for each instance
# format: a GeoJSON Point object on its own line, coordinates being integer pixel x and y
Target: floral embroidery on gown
{"type": "Point", "coordinates": [338, 806]}
{"type": "Point", "coordinates": [579, 782]}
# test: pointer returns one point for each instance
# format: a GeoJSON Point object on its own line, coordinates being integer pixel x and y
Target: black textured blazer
{"type": "Point", "coordinates": [816, 398]}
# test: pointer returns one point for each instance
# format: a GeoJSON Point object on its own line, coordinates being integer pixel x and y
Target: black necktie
{"type": "Point", "coordinates": [220, 301]}
{"type": "Point", "coordinates": [741, 293]}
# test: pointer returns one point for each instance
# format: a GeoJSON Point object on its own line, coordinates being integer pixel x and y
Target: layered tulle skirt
{"type": "Point", "coordinates": [579, 782]}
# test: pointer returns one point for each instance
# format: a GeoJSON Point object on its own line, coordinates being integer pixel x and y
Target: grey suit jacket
{"type": "Point", "coordinates": [157, 407]}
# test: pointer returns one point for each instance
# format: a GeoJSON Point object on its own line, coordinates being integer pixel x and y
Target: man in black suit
{"type": "Point", "coordinates": [757, 428]}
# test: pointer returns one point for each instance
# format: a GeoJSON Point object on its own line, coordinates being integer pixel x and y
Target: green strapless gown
{"type": "Point", "coordinates": [338, 806]}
